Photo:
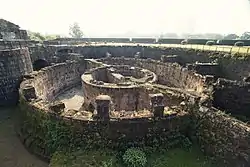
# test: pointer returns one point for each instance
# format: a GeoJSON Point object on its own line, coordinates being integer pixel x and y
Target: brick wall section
{"type": "Point", "coordinates": [231, 67]}
{"type": "Point", "coordinates": [115, 134]}
{"type": "Point", "coordinates": [123, 98]}
{"type": "Point", "coordinates": [232, 96]}
{"type": "Point", "coordinates": [52, 80]}
{"type": "Point", "coordinates": [167, 73]}
{"type": "Point", "coordinates": [13, 65]}
{"type": "Point", "coordinates": [42, 52]}
{"type": "Point", "coordinates": [223, 137]}
{"type": "Point", "coordinates": [205, 69]}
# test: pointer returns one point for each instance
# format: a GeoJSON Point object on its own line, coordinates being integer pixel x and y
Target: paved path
{"type": "Point", "coordinates": [12, 152]}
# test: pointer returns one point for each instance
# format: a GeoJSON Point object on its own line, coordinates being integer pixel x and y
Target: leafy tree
{"type": "Point", "coordinates": [35, 36]}
{"type": "Point", "coordinates": [75, 31]}
{"type": "Point", "coordinates": [245, 36]}
{"type": "Point", "coordinates": [39, 37]}
{"type": "Point", "coordinates": [231, 36]}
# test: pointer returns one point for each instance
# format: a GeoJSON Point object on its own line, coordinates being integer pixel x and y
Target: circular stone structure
{"type": "Point", "coordinates": [121, 82]}
{"type": "Point", "coordinates": [14, 64]}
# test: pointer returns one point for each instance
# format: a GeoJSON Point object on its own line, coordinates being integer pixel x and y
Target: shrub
{"type": "Point", "coordinates": [210, 43]}
{"type": "Point", "coordinates": [239, 43]}
{"type": "Point", "coordinates": [80, 158]}
{"type": "Point", "coordinates": [134, 157]}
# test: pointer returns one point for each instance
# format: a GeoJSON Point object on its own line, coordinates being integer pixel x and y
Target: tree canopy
{"type": "Point", "coordinates": [245, 36]}
{"type": "Point", "coordinates": [75, 31]}
{"type": "Point", "coordinates": [40, 37]}
{"type": "Point", "coordinates": [231, 36]}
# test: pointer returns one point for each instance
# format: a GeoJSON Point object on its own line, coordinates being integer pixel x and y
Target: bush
{"type": "Point", "coordinates": [239, 43]}
{"type": "Point", "coordinates": [134, 157]}
{"type": "Point", "coordinates": [84, 159]}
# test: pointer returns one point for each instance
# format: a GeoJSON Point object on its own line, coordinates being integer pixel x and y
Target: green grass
{"type": "Point", "coordinates": [84, 159]}
{"type": "Point", "coordinates": [171, 158]}
{"type": "Point", "coordinates": [179, 158]}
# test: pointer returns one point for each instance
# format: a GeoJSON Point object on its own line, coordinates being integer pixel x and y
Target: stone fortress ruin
{"type": "Point", "coordinates": [129, 93]}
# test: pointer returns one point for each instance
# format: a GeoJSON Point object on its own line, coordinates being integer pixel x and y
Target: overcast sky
{"type": "Point", "coordinates": [104, 17]}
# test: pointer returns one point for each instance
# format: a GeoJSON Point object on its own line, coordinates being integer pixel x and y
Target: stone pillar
{"type": "Point", "coordinates": [103, 106]}
{"type": "Point", "coordinates": [157, 106]}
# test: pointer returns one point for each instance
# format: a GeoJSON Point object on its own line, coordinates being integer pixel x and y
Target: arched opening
{"type": "Point", "coordinates": [39, 64]}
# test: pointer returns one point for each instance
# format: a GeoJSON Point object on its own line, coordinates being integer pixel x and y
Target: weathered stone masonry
{"type": "Point", "coordinates": [232, 96]}
{"type": "Point", "coordinates": [115, 133]}
{"type": "Point", "coordinates": [220, 135]}
{"type": "Point", "coordinates": [52, 80]}
{"type": "Point", "coordinates": [168, 74]}
{"type": "Point", "coordinates": [13, 65]}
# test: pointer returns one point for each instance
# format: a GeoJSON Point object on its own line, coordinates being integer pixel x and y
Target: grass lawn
{"type": "Point", "coordinates": [179, 158]}
{"type": "Point", "coordinates": [171, 158]}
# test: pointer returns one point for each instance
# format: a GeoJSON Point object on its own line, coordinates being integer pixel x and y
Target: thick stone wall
{"type": "Point", "coordinates": [144, 40]}
{"type": "Point", "coordinates": [205, 69]}
{"type": "Point", "coordinates": [39, 129]}
{"type": "Point", "coordinates": [123, 98]}
{"type": "Point", "coordinates": [232, 96]}
{"type": "Point", "coordinates": [127, 97]}
{"type": "Point", "coordinates": [222, 136]}
{"type": "Point", "coordinates": [13, 65]}
{"type": "Point", "coordinates": [15, 44]}
{"type": "Point", "coordinates": [233, 67]}
{"type": "Point", "coordinates": [41, 52]}
{"type": "Point", "coordinates": [52, 80]}
{"type": "Point", "coordinates": [168, 73]}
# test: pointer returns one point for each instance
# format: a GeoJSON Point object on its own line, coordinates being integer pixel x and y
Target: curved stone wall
{"type": "Point", "coordinates": [218, 134]}
{"type": "Point", "coordinates": [52, 80]}
{"type": "Point", "coordinates": [169, 74]}
{"type": "Point", "coordinates": [41, 125]}
{"type": "Point", "coordinates": [13, 65]}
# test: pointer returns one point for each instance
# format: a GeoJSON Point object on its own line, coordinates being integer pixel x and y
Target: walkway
{"type": "Point", "coordinates": [12, 152]}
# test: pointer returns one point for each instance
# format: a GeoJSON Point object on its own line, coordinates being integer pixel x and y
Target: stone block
{"type": "Point", "coordinates": [103, 106]}
{"type": "Point", "coordinates": [57, 107]}
{"type": "Point", "coordinates": [158, 111]}
{"type": "Point", "coordinates": [156, 99]}
{"type": "Point", "coordinates": [29, 93]}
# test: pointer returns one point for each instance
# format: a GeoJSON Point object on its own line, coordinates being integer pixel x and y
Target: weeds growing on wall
{"type": "Point", "coordinates": [45, 134]}
{"type": "Point", "coordinates": [135, 156]}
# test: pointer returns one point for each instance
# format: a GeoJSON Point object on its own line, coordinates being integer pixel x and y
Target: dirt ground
{"type": "Point", "coordinates": [73, 98]}
{"type": "Point", "coordinates": [12, 152]}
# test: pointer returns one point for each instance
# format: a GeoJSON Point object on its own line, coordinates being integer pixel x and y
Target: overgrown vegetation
{"type": "Point", "coordinates": [134, 158]}
{"type": "Point", "coordinates": [45, 135]}
{"type": "Point", "coordinates": [80, 158]}
{"type": "Point", "coordinates": [75, 31]}
{"type": "Point", "coordinates": [41, 37]}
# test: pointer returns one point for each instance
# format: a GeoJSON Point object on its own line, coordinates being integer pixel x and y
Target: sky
{"type": "Point", "coordinates": [109, 17]}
